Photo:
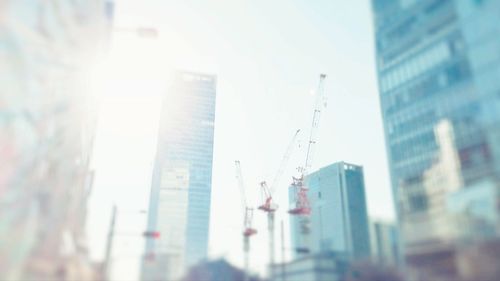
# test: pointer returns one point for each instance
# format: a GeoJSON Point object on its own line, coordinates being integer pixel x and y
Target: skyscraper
{"type": "Point", "coordinates": [438, 68]}
{"type": "Point", "coordinates": [181, 188]}
{"type": "Point", "coordinates": [339, 220]}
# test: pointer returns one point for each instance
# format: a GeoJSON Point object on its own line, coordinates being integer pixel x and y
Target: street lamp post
{"type": "Point", "coordinates": [109, 242]}
{"type": "Point", "coordinates": [111, 235]}
{"type": "Point", "coordinates": [148, 33]}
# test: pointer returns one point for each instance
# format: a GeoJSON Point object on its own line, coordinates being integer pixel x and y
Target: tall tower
{"type": "Point", "coordinates": [437, 60]}
{"type": "Point", "coordinates": [180, 194]}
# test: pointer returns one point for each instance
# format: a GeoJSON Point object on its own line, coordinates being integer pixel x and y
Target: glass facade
{"type": "Point", "coordinates": [181, 189]}
{"type": "Point", "coordinates": [438, 64]}
{"type": "Point", "coordinates": [338, 219]}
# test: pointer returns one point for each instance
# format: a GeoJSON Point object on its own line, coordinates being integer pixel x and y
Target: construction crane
{"type": "Point", "coordinates": [302, 206]}
{"type": "Point", "coordinates": [268, 205]}
{"type": "Point", "coordinates": [248, 231]}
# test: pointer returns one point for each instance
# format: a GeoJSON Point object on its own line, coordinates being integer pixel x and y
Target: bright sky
{"type": "Point", "coordinates": [267, 56]}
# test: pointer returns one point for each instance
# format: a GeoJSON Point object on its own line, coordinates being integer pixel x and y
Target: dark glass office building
{"type": "Point", "coordinates": [181, 187]}
{"type": "Point", "coordinates": [438, 64]}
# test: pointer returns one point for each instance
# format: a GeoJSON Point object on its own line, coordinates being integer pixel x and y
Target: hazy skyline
{"type": "Point", "coordinates": [267, 56]}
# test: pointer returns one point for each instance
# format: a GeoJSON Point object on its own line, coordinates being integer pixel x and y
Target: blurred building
{"type": "Point", "coordinates": [217, 270]}
{"type": "Point", "coordinates": [156, 266]}
{"type": "Point", "coordinates": [384, 242]}
{"type": "Point", "coordinates": [180, 195]}
{"type": "Point", "coordinates": [47, 126]}
{"type": "Point", "coordinates": [474, 210]}
{"type": "Point", "coordinates": [325, 266]}
{"type": "Point", "coordinates": [438, 63]}
{"type": "Point", "coordinates": [338, 220]}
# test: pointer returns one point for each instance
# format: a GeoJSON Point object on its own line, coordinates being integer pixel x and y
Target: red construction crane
{"type": "Point", "coordinates": [248, 231]}
{"type": "Point", "coordinates": [267, 192]}
{"type": "Point", "coordinates": [268, 205]}
{"type": "Point", "coordinates": [302, 206]}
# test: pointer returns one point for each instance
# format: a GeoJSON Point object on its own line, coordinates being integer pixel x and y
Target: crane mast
{"type": "Point", "coordinates": [268, 205]}
{"type": "Point", "coordinates": [248, 231]}
{"type": "Point", "coordinates": [313, 135]}
{"type": "Point", "coordinates": [302, 206]}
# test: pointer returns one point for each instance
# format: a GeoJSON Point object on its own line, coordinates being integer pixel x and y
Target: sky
{"type": "Point", "coordinates": [267, 56]}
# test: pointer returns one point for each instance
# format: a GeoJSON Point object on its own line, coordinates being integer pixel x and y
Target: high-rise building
{"type": "Point", "coordinates": [181, 188]}
{"type": "Point", "coordinates": [438, 63]}
{"type": "Point", "coordinates": [338, 220]}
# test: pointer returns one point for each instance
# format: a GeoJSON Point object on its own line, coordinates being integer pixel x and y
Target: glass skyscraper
{"type": "Point", "coordinates": [438, 64]}
{"type": "Point", "coordinates": [181, 188]}
{"type": "Point", "coordinates": [338, 220]}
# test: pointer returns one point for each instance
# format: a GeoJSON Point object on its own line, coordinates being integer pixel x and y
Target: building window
{"type": "Point", "coordinates": [418, 203]}
{"type": "Point", "coordinates": [415, 66]}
